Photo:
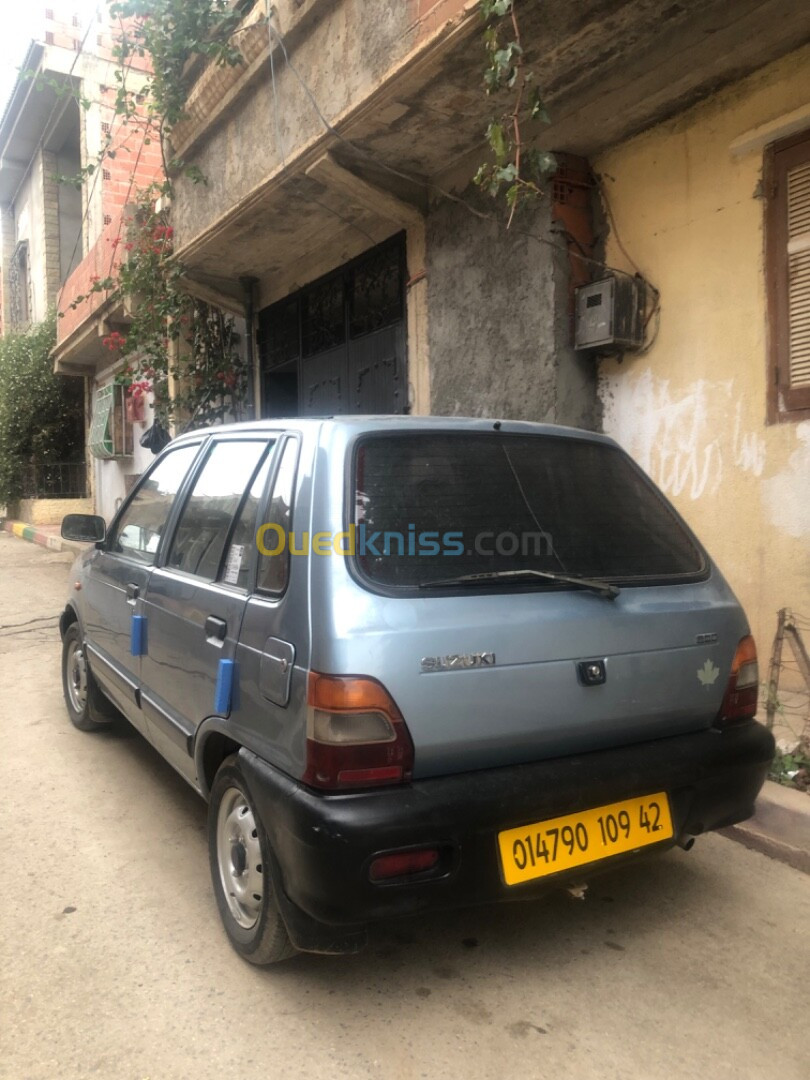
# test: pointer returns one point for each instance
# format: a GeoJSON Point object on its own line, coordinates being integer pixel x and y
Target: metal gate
{"type": "Point", "coordinates": [338, 345]}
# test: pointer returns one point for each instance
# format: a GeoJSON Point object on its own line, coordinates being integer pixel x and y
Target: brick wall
{"type": "Point", "coordinates": [61, 27]}
{"type": "Point", "coordinates": [136, 162]}
{"type": "Point", "coordinates": [100, 262]}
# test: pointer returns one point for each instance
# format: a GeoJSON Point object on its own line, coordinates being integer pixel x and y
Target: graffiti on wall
{"type": "Point", "coordinates": [686, 440]}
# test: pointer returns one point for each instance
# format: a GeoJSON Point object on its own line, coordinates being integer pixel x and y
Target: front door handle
{"type": "Point", "coordinates": [133, 592]}
{"type": "Point", "coordinates": [215, 628]}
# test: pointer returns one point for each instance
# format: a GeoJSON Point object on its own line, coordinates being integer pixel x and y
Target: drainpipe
{"type": "Point", "coordinates": [249, 287]}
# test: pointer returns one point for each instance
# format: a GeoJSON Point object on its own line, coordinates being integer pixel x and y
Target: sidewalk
{"type": "Point", "coordinates": [46, 536]}
{"type": "Point", "coordinates": [780, 826]}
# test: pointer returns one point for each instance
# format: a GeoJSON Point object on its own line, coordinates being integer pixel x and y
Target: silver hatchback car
{"type": "Point", "coordinates": [414, 663]}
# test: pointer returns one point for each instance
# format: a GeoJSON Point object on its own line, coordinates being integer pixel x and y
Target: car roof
{"type": "Point", "coordinates": [367, 424]}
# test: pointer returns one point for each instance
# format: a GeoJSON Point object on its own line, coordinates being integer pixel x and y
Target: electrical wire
{"type": "Point", "coordinates": [279, 142]}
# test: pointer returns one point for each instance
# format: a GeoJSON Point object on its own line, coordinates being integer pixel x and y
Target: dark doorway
{"type": "Point", "coordinates": [338, 346]}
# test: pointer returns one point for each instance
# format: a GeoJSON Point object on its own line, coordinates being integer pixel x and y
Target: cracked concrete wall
{"type": "Point", "coordinates": [498, 321]}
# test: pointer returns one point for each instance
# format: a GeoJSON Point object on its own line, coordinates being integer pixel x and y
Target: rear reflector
{"type": "Point", "coordinates": [742, 690]}
{"type": "Point", "coordinates": [402, 864]}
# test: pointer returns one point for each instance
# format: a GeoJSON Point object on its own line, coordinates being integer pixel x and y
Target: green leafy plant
{"type": "Point", "coordinates": [41, 414]}
{"type": "Point", "coordinates": [517, 169]}
{"type": "Point", "coordinates": [171, 33]}
{"type": "Point", "coordinates": [792, 768]}
{"type": "Point", "coordinates": [186, 350]}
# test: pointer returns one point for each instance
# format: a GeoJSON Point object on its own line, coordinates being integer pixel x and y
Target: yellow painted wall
{"type": "Point", "coordinates": [692, 410]}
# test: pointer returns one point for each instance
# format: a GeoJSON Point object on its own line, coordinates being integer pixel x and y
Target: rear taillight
{"type": "Point", "coordinates": [742, 691]}
{"type": "Point", "coordinates": [356, 736]}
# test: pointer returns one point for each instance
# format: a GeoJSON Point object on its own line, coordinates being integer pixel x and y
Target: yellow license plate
{"type": "Point", "coordinates": [547, 847]}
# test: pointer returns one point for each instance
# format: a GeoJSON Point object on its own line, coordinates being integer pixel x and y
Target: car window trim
{"type": "Point", "coordinates": [255, 590]}
{"type": "Point", "coordinates": [271, 450]}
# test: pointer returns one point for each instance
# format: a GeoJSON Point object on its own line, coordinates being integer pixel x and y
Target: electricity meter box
{"type": "Point", "coordinates": [609, 314]}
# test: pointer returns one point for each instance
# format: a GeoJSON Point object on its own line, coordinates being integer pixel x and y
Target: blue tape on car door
{"type": "Point", "coordinates": [138, 635]}
{"type": "Point", "coordinates": [224, 691]}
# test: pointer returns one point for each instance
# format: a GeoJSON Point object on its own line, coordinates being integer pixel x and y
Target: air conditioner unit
{"type": "Point", "coordinates": [609, 314]}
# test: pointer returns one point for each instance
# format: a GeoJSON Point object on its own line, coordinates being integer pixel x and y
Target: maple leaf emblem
{"type": "Point", "coordinates": [707, 675]}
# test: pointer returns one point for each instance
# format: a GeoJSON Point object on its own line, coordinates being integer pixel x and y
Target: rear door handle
{"type": "Point", "coordinates": [215, 628]}
{"type": "Point", "coordinates": [133, 592]}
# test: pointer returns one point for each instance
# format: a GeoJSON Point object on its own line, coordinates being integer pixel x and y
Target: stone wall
{"type": "Point", "coordinates": [50, 511]}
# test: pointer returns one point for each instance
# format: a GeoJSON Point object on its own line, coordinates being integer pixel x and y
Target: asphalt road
{"type": "Point", "coordinates": [114, 964]}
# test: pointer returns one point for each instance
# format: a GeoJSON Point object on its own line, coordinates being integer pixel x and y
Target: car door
{"type": "Point", "coordinates": [196, 597]}
{"type": "Point", "coordinates": [273, 649]}
{"type": "Point", "coordinates": [116, 583]}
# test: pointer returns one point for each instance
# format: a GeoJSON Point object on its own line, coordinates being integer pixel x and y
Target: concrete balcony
{"type": "Point", "coordinates": [403, 112]}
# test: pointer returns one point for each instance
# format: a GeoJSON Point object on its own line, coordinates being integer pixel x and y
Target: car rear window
{"type": "Point", "coordinates": [435, 506]}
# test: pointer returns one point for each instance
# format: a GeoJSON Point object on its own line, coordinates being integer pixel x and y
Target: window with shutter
{"type": "Point", "coordinates": [788, 277]}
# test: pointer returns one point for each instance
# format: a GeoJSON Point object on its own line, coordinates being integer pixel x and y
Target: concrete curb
{"type": "Point", "coordinates": [37, 536]}
{"type": "Point", "coordinates": [780, 826]}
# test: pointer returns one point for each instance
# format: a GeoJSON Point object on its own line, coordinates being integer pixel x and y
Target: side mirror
{"type": "Point", "coordinates": [89, 528]}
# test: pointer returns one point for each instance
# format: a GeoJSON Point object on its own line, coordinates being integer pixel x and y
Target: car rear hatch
{"type": "Point", "coordinates": [490, 665]}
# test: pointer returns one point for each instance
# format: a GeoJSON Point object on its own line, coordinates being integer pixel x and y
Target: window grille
{"type": "Point", "coordinates": [110, 432]}
{"type": "Point", "coordinates": [19, 286]}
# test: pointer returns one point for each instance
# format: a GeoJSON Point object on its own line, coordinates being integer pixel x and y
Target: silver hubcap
{"type": "Point", "coordinates": [77, 676]}
{"type": "Point", "coordinates": [239, 856]}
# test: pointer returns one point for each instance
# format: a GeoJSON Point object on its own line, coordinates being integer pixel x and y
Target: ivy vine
{"type": "Point", "coordinates": [517, 170]}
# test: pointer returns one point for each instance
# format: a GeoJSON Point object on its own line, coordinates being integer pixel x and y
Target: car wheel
{"type": "Point", "coordinates": [87, 707]}
{"type": "Point", "coordinates": [239, 854]}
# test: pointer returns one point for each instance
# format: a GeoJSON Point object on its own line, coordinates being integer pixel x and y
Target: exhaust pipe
{"type": "Point", "coordinates": [686, 842]}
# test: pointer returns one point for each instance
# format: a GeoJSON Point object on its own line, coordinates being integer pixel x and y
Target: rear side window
{"type": "Point", "coordinates": [430, 507]}
{"type": "Point", "coordinates": [205, 521]}
{"type": "Point", "coordinates": [141, 526]}
{"type": "Point", "coordinates": [236, 567]}
{"type": "Point", "coordinates": [272, 536]}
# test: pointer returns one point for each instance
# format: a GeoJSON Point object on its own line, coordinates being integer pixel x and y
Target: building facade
{"type": "Point", "coordinates": [61, 224]}
{"type": "Point", "coordinates": [338, 217]}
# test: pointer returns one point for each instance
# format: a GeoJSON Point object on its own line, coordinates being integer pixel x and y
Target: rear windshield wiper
{"type": "Point", "coordinates": [604, 588]}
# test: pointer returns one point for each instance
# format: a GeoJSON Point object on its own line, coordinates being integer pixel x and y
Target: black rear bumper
{"type": "Point", "coordinates": [324, 844]}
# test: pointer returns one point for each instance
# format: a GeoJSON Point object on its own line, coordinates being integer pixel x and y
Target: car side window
{"type": "Point", "coordinates": [205, 520]}
{"type": "Point", "coordinates": [274, 541]}
{"type": "Point", "coordinates": [138, 532]}
{"type": "Point", "coordinates": [236, 566]}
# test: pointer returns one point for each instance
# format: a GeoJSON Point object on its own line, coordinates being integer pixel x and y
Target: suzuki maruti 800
{"type": "Point", "coordinates": [414, 663]}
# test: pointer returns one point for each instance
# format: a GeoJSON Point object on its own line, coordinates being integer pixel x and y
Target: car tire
{"type": "Point", "coordinates": [88, 708]}
{"type": "Point", "coordinates": [239, 854]}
